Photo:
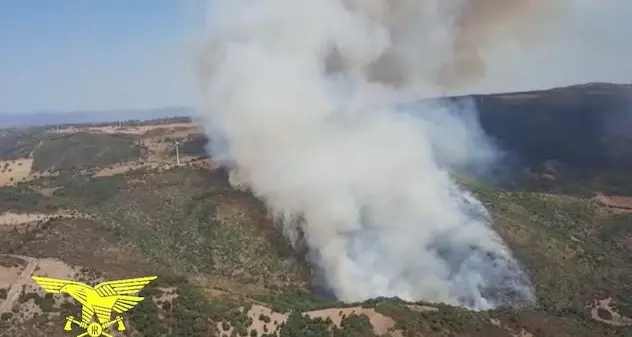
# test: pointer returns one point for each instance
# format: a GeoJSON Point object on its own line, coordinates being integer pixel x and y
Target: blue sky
{"type": "Point", "coordinates": [95, 54]}
{"type": "Point", "coordinates": [122, 54]}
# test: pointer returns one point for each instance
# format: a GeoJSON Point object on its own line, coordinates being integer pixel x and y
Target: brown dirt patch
{"type": "Point", "coordinates": [157, 150]}
{"type": "Point", "coordinates": [21, 221]}
{"type": "Point", "coordinates": [229, 210]}
{"type": "Point", "coordinates": [10, 220]}
{"type": "Point", "coordinates": [261, 326]}
{"type": "Point", "coordinates": [273, 320]}
{"type": "Point", "coordinates": [158, 163]}
{"type": "Point", "coordinates": [123, 168]}
{"type": "Point", "coordinates": [205, 163]}
{"type": "Point", "coordinates": [625, 242]}
{"type": "Point", "coordinates": [381, 324]}
{"type": "Point", "coordinates": [421, 308]}
{"type": "Point", "coordinates": [46, 191]}
{"type": "Point", "coordinates": [8, 275]}
{"type": "Point", "coordinates": [15, 171]}
{"type": "Point", "coordinates": [25, 311]}
{"type": "Point", "coordinates": [55, 268]}
{"type": "Point", "coordinates": [615, 203]}
{"type": "Point", "coordinates": [615, 319]}
{"type": "Point", "coordinates": [168, 295]}
{"type": "Point", "coordinates": [515, 333]}
{"type": "Point", "coordinates": [18, 285]}
{"type": "Point", "coordinates": [158, 129]}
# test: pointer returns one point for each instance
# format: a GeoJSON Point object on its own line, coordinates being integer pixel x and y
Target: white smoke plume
{"type": "Point", "coordinates": [309, 102]}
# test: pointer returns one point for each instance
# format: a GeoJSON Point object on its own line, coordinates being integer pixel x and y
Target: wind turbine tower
{"type": "Point", "coordinates": [177, 153]}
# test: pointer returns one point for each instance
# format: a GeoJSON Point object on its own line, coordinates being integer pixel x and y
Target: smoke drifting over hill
{"type": "Point", "coordinates": [306, 100]}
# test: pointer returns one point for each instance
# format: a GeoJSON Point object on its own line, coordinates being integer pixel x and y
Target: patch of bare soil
{"type": "Point", "coordinates": [158, 150]}
{"type": "Point", "coordinates": [15, 171]}
{"type": "Point", "coordinates": [159, 165]}
{"type": "Point", "coordinates": [16, 219]}
{"type": "Point", "coordinates": [381, 324]}
{"type": "Point", "coordinates": [135, 130]}
{"type": "Point", "coordinates": [421, 308]}
{"type": "Point", "coordinates": [17, 285]}
{"type": "Point", "coordinates": [266, 321]}
{"type": "Point", "coordinates": [615, 203]}
{"type": "Point", "coordinates": [169, 294]}
{"type": "Point", "coordinates": [602, 310]}
{"type": "Point", "coordinates": [179, 131]}
{"type": "Point", "coordinates": [271, 320]}
{"type": "Point", "coordinates": [10, 269]}
{"type": "Point", "coordinates": [45, 191]}
{"type": "Point", "coordinates": [205, 163]}
{"type": "Point", "coordinates": [55, 268]}
{"type": "Point", "coordinates": [515, 333]}
{"type": "Point", "coordinates": [25, 290]}
{"type": "Point", "coordinates": [123, 168]}
{"type": "Point", "coordinates": [10, 220]}
{"type": "Point", "coordinates": [625, 242]}
{"type": "Point", "coordinates": [8, 275]}
{"type": "Point", "coordinates": [32, 311]}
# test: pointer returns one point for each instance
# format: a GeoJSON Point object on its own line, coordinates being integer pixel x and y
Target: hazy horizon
{"type": "Point", "coordinates": [73, 55]}
{"type": "Point", "coordinates": [192, 106]}
{"type": "Point", "coordinates": [96, 110]}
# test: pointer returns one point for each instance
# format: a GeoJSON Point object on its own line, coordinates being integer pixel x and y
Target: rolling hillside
{"type": "Point", "coordinates": [108, 202]}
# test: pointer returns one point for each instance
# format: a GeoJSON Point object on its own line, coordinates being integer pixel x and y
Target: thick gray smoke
{"type": "Point", "coordinates": [310, 102]}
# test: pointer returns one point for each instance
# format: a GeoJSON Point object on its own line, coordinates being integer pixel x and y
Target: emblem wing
{"type": "Point", "coordinates": [123, 287]}
{"type": "Point", "coordinates": [124, 303]}
{"type": "Point", "coordinates": [54, 285]}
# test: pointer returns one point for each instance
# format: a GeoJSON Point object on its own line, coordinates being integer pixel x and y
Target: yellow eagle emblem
{"type": "Point", "coordinates": [118, 296]}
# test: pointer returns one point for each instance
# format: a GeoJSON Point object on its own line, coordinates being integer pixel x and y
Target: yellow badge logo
{"type": "Point", "coordinates": [118, 296]}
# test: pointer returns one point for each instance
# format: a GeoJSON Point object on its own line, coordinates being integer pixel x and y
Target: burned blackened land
{"type": "Point", "coordinates": [585, 126]}
{"type": "Point", "coordinates": [195, 145]}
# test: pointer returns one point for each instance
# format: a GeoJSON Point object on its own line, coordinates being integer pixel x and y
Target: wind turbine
{"type": "Point", "coordinates": [177, 152]}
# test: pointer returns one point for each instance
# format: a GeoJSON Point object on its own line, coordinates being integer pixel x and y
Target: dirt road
{"type": "Point", "coordinates": [16, 288]}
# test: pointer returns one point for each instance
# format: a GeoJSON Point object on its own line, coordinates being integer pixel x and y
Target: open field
{"type": "Point", "coordinates": [14, 171]}
{"type": "Point", "coordinates": [616, 203]}
{"type": "Point", "coordinates": [11, 220]}
{"type": "Point", "coordinates": [144, 130]}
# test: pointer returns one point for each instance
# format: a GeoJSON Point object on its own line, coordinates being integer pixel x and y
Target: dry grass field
{"type": "Point", "coordinates": [14, 171]}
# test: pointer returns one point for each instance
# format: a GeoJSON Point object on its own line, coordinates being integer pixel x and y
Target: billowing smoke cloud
{"type": "Point", "coordinates": [444, 42]}
{"type": "Point", "coordinates": [314, 105]}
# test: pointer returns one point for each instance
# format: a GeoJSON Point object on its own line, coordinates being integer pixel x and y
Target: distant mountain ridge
{"type": "Point", "coordinates": [78, 117]}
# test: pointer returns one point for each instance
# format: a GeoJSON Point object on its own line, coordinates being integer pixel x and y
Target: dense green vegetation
{"type": "Point", "coordinates": [566, 243]}
{"type": "Point", "coordinates": [78, 151]}
{"type": "Point", "coordinates": [293, 298]}
{"type": "Point", "coordinates": [22, 198]}
{"type": "Point", "coordinates": [16, 143]}
{"type": "Point", "coordinates": [46, 303]}
{"type": "Point", "coordinates": [189, 313]}
{"type": "Point", "coordinates": [173, 216]}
